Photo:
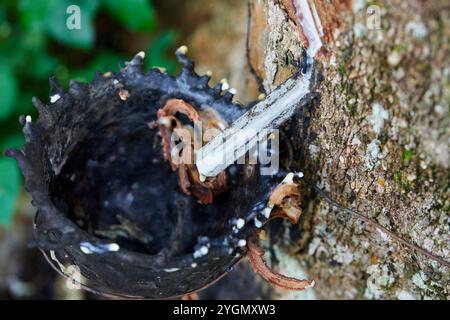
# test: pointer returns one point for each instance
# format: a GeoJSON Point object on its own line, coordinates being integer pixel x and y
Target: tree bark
{"type": "Point", "coordinates": [376, 141]}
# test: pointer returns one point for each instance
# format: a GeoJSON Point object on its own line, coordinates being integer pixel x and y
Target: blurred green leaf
{"type": "Point", "coordinates": [9, 189]}
{"type": "Point", "coordinates": [24, 105]}
{"type": "Point", "coordinates": [57, 23]}
{"type": "Point", "coordinates": [31, 49]}
{"type": "Point", "coordinates": [10, 181]}
{"type": "Point", "coordinates": [137, 15]}
{"type": "Point", "coordinates": [158, 55]}
{"type": "Point", "coordinates": [2, 14]}
{"type": "Point", "coordinates": [103, 62]}
{"type": "Point", "coordinates": [5, 29]}
{"type": "Point", "coordinates": [9, 90]}
{"type": "Point", "coordinates": [107, 61]}
{"type": "Point", "coordinates": [43, 63]}
{"type": "Point", "coordinates": [33, 14]}
{"type": "Point", "coordinates": [11, 141]}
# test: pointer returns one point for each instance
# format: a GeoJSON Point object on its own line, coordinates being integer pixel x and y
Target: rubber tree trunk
{"type": "Point", "coordinates": [375, 140]}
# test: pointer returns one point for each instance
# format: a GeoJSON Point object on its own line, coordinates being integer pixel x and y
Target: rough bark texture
{"type": "Point", "coordinates": [376, 140]}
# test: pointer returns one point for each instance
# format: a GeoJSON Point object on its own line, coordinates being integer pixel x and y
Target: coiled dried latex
{"type": "Point", "coordinates": [110, 204]}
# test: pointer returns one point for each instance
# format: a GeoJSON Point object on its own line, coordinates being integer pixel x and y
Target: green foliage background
{"type": "Point", "coordinates": [35, 44]}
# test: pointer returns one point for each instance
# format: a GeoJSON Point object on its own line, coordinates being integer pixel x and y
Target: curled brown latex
{"type": "Point", "coordinates": [286, 199]}
{"type": "Point", "coordinates": [255, 257]}
{"type": "Point", "coordinates": [189, 177]}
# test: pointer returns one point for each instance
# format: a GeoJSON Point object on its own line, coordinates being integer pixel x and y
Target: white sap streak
{"type": "Point", "coordinates": [169, 270]}
{"type": "Point", "coordinates": [305, 16]}
{"type": "Point", "coordinates": [89, 248]}
{"type": "Point", "coordinates": [317, 18]}
{"type": "Point", "coordinates": [54, 98]}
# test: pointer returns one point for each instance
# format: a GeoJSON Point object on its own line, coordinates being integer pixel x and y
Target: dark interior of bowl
{"type": "Point", "coordinates": [95, 169]}
{"type": "Point", "coordinates": [117, 185]}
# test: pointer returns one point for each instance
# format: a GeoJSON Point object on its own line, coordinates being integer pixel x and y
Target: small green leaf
{"type": "Point", "coordinates": [9, 91]}
{"type": "Point", "coordinates": [137, 15]}
{"type": "Point", "coordinates": [9, 189]}
{"type": "Point", "coordinates": [57, 23]}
